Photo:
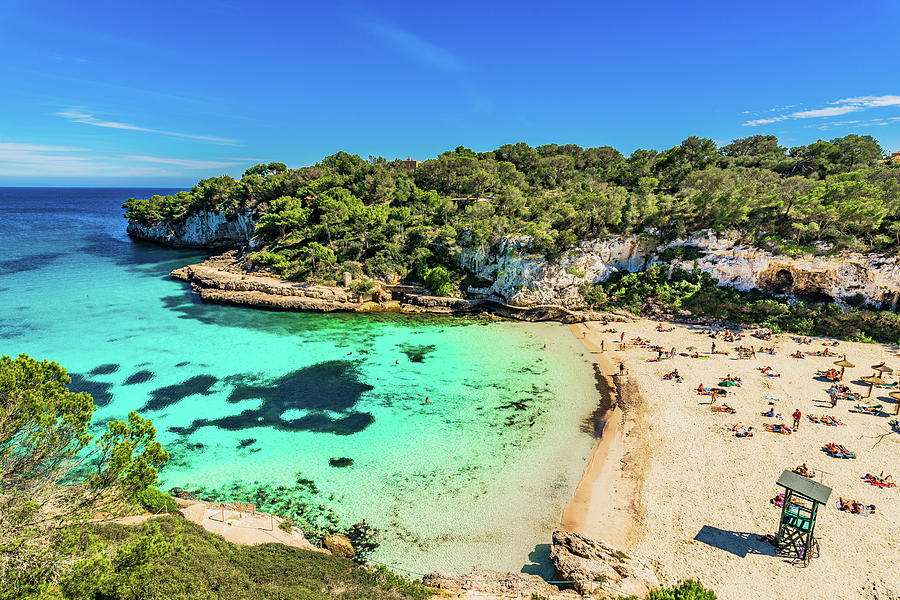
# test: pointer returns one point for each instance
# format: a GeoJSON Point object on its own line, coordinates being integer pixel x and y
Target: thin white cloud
{"type": "Point", "coordinates": [831, 111]}
{"type": "Point", "coordinates": [184, 162]}
{"type": "Point", "coordinates": [21, 159]}
{"type": "Point", "coordinates": [412, 45]}
{"type": "Point", "coordinates": [836, 108]}
{"type": "Point", "coordinates": [755, 122]}
{"type": "Point", "coordinates": [79, 116]}
{"type": "Point", "coordinates": [870, 101]}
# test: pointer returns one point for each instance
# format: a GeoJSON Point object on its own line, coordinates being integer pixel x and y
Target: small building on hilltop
{"type": "Point", "coordinates": [410, 164]}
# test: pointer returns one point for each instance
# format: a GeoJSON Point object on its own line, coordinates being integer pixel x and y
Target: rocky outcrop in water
{"type": "Point", "coordinates": [199, 230]}
{"type": "Point", "coordinates": [221, 279]}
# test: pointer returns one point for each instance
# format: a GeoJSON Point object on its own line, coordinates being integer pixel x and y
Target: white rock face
{"type": "Point", "coordinates": [513, 275]}
{"type": "Point", "coordinates": [202, 230]}
{"type": "Point", "coordinates": [520, 278]}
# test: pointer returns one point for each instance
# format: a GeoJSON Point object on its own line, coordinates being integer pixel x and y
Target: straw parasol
{"type": "Point", "coordinates": [896, 396]}
{"type": "Point", "coordinates": [843, 364]}
{"type": "Point", "coordinates": [872, 380]}
{"type": "Point", "coordinates": [881, 369]}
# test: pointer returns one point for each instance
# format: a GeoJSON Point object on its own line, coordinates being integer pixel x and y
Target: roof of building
{"type": "Point", "coordinates": [805, 487]}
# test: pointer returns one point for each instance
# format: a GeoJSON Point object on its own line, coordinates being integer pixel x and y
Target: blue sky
{"type": "Point", "coordinates": [165, 93]}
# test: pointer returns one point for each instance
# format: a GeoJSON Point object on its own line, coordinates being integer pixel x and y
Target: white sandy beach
{"type": "Point", "coordinates": [671, 483]}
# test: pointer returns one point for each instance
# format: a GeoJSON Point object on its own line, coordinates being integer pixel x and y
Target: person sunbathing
{"type": "Point", "coordinates": [702, 389]}
{"type": "Point", "coordinates": [804, 471]}
{"type": "Point", "coordinates": [797, 354]}
{"type": "Point", "coordinates": [769, 413]}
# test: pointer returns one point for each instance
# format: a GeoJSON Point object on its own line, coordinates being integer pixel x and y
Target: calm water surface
{"type": "Point", "coordinates": [478, 477]}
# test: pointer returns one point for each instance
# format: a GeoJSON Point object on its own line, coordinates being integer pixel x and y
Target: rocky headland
{"type": "Point", "coordinates": [507, 280]}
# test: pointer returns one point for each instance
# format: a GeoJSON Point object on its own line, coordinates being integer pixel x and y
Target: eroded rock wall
{"type": "Point", "coordinates": [511, 274]}
{"type": "Point", "coordinates": [199, 230]}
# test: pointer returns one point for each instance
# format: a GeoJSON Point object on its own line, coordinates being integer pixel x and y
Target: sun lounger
{"type": "Point", "coordinates": [869, 409]}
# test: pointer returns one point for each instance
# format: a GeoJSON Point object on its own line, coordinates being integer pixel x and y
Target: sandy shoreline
{"type": "Point", "coordinates": [671, 483]}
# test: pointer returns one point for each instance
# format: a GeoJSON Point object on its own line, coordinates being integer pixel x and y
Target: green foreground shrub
{"type": "Point", "coordinates": [170, 557]}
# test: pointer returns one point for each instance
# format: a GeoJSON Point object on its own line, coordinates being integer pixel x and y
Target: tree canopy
{"type": "Point", "coordinates": [347, 213]}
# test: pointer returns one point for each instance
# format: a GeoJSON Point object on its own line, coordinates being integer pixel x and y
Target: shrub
{"type": "Point", "coordinates": [155, 500]}
{"type": "Point", "coordinates": [286, 525]}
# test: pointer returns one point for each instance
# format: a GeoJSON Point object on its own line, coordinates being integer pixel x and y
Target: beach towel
{"type": "Point", "coordinates": [882, 482]}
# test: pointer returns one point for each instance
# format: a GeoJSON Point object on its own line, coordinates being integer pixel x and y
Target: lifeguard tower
{"type": "Point", "coordinates": [802, 497]}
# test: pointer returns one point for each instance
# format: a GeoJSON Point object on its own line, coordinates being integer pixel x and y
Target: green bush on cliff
{"type": "Point", "coordinates": [380, 215]}
{"type": "Point", "coordinates": [656, 289]}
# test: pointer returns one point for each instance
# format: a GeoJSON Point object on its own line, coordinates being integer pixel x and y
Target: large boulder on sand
{"type": "Point", "coordinates": [495, 584]}
{"type": "Point", "coordinates": [580, 559]}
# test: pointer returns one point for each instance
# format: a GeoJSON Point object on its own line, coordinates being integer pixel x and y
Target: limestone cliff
{"type": "Point", "coordinates": [509, 273]}
{"type": "Point", "coordinates": [199, 230]}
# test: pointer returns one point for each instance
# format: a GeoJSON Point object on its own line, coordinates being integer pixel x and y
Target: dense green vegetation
{"type": "Point", "coordinates": [656, 290]}
{"type": "Point", "coordinates": [52, 478]}
{"type": "Point", "coordinates": [378, 218]}
{"type": "Point", "coordinates": [170, 557]}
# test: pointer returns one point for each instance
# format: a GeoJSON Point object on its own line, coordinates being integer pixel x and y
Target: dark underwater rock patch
{"type": "Point", "coordinates": [141, 376]}
{"type": "Point", "coordinates": [417, 353]}
{"type": "Point", "coordinates": [166, 396]}
{"type": "Point", "coordinates": [318, 391]}
{"type": "Point", "coordinates": [99, 390]}
{"type": "Point", "coordinates": [104, 369]}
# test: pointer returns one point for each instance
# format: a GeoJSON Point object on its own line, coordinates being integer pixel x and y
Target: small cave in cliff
{"type": "Point", "coordinates": [780, 282]}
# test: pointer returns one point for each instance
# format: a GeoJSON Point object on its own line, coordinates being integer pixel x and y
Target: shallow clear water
{"type": "Point", "coordinates": [477, 477]}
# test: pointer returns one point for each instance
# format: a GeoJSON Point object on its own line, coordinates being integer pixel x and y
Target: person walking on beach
{"type": "Point", "coordinates": [602, 346]}
{"type": "Point", "coordinates": [621, 368]}
{"type": "Point", "coordinates": [622, 337]}
{"type": "Point", "coordinates": [796, 416]}
{"type": "Point", "coordinates": [713, 351]}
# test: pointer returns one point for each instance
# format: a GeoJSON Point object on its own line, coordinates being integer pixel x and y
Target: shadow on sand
{"type": "Point", "coordinates": [539, 562]}
{"type": "Point", "coordinates": [739, 543]}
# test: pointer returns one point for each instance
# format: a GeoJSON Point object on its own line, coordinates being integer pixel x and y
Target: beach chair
{"type": "Point", "coordinates": [869, 409]}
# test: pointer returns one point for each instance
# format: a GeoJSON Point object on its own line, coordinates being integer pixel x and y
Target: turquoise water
{"type": "Point", "coordinates": [476, 477]}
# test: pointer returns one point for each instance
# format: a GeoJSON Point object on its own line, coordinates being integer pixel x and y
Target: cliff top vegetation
{"type": "Point", "coordinates": [375, 216]}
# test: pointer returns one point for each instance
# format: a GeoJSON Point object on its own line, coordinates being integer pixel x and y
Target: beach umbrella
{"type": "Point", "coordinates": [692, 347]}
{"type": "Point", "coordinates": [843, 364]}
{"type": "Point", "coordinates": [881, 369]}
{"type": "Point", "coordinates": [896, 396]}
{"type": "Point", "coordinates": [727, 383]}
{"type": "Point", "coordinates": [872, 380]}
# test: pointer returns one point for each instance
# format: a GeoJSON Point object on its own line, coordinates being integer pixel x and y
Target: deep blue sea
{"type": "Point", "coordinates": [478, 477]}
